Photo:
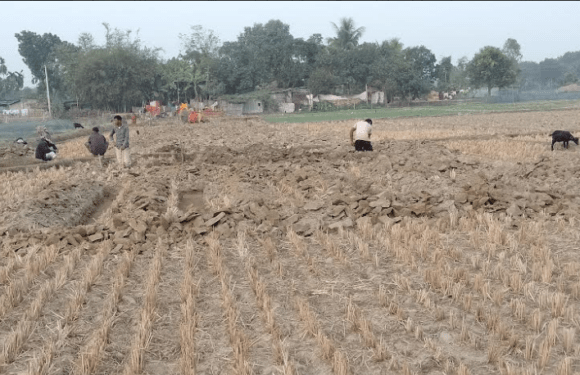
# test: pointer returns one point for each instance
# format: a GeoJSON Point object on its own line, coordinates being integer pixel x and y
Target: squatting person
{"type": "Point", "coordinates": [97, 144]}
{"type": "Point", "coordinates": [46, 150]}
{"type": "Point", "coordinates": [363, 131]}
{"type": "Point", "coordinates": [122, 142]}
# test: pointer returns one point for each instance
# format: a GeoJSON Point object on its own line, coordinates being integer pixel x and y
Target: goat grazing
{"type": "Point", "coordinates": [563, 136]}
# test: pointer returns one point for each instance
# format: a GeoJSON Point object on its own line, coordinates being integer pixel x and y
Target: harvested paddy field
{"type": "Point", "coordinates": [243, 247]}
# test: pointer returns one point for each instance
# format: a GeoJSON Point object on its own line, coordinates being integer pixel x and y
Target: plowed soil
{"type": "Point", "coordinates": [250, 248]}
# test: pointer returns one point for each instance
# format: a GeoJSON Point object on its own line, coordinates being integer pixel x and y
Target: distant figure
{"type": "Point", "coordinates": [122, 142]}
{"type": "Point", "coordinates": [78, 126]}
{"type": "Point", "coordinates": [363, 131]}
{"type": "Point", "coordinates": [46, 150]}
{"type": "Point", "coordinates": [564, 137]}
{"type": "Point", "coordinates": [19, 147]}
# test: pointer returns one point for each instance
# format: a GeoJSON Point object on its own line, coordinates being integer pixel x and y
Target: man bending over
{"type": "Point", "coordinates": [97, 144]}
{"type": "Point", "coordinates": [363, 131]}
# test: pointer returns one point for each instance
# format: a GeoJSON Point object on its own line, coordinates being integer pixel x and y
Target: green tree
{"type": "Point", "coordinates": [86, 42]}
{"type": "Point", "coordinates": [28, 93]}
{"type": "Point", "coordinates": [120, 74]}
{"type": "Point", "coordinates": [67, 56]}
{"type": "Point", "coordinates": [321, 81]}
{"type": "Point", "coordinates": [305, 55]}
{"type": "Point", "coordinates": [347, 34]}
{"type": "Point", "coordinates": [512, 49]}
{"type": "Point", "coordinates": [178, 79]}
{"type": "Point", "coordinates": [3, 68]}
{"type": "Point", "coordinates": [421, 62]}
{"type": "Point", "coordinates": [443, 72]}
{"type": "Point", "coordinates": [530, 75]}
{"type": "Point", "coordinates": [569, 78]}
{"type": "Point", "coordinates": [38, 51]}
{"type": "Point", "coordinates": [459, 79]}
{"type": "Point", "coordinates": [492, 68]}
{"type": "Point", "coordinates": [352, 69]}
{"type": "Point", "coordinates": [308, 51]}
{"type": "Point", "coordinates": [201, 51]}
{"type": "Point", "coordinates": [387, 66]}
{"type": "Point", "coordinates": [551, 71]}
{"type": "Point", "coordinates": [262, 54]}
{"type": "Point", "coordinates": [10, 82]}
{"type": "Point", "coordinates": [571, 62]}
{"type": "Point", "coordinates": [278, 52]}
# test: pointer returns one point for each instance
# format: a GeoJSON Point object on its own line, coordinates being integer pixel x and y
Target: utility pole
{"type": "Point", "coordinates": [47, 92]}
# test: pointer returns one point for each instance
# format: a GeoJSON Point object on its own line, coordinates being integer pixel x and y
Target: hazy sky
{"type": "Point", "coordinates": [543, 29]}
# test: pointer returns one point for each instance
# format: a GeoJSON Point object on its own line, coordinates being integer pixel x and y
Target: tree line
{"type": "Point", "coordinates": [125, 72]}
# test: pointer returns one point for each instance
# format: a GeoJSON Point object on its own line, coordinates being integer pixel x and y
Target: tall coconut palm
{"type": "Point", "coordinates": [347, 35]}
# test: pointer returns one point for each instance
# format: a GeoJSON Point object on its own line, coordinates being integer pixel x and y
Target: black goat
{"type": "Point", "coordinates": [78, 126]}
{"type": "Point", "coordinates": [563, 136]}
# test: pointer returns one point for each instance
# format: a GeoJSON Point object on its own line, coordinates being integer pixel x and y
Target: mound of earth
{"type": "Point", "coordinates": [58, 205]}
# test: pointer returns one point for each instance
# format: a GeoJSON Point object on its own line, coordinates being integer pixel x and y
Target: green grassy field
{"type": "Point", "coordinates": [426, 111]}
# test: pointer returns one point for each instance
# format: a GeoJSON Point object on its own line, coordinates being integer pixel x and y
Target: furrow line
{"type": "Point", "coordinates": [135, 362]}
{"type": "Point", "coordinates": [90, 354]}
{"type": "Point", "coordinates": [12, 345]}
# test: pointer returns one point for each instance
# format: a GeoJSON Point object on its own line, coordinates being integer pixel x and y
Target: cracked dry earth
{"type": "Point", "coordinates": [251, 248]}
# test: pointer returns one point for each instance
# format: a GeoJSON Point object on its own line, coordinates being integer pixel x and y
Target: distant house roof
{"type": "Point", "coordinates": [6, 103]}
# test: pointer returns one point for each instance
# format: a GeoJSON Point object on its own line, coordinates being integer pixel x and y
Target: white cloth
{"type": "Point", "coordinates": [123, 156]}
{"type": "Point", "coordinates": [363, 131]}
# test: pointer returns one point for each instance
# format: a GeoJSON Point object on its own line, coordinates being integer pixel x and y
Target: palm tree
{"type": "Point", "coordinates": [347, 35]}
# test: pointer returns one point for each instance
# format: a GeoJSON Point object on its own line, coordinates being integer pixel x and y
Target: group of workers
{"type": "Point", "coordinates": [97, 144]}
{"type": "Point", "coordinates": [360, 136]}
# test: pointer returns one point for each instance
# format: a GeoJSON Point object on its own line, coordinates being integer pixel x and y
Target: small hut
{"type": "Point", "coordinates": [253, 106]}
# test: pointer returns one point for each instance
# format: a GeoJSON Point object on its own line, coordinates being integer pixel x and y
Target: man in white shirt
{"type": "Point", "coordinates": [363, 131]}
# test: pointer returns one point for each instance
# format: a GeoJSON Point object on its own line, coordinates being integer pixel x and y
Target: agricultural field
{"type": "Point", "coordinates": [449, 108]}
{"type": "Point", "coordinates": [240, 246]}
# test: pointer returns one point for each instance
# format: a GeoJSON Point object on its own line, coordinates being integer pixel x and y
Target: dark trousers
{"type": "Point", "coordinates": [363, 145]}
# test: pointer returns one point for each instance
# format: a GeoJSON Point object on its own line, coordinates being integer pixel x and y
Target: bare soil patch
{"type": "Point", "coordinates": [63, 205]}
{"type": "Point", "coordinates": [191, 200]}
